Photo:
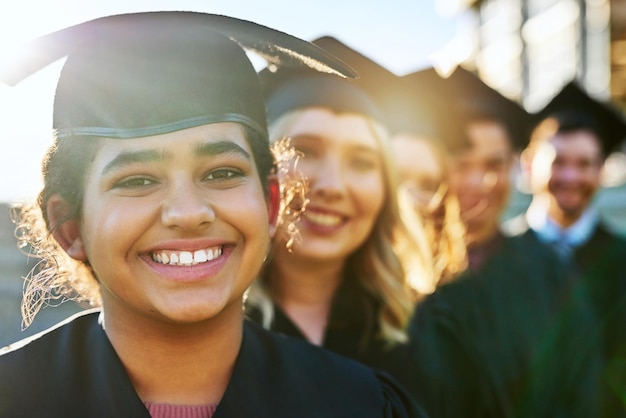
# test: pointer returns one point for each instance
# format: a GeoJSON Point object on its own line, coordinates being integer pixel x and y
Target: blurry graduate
{"type": "Point", "coordinates": [424, 131]}
{"type": "Point", "coordinates": [563, 163]}
{"type": "Point", "coordinates": [351, 281]}
{"type": "Point", "coordinates": [488, 341]}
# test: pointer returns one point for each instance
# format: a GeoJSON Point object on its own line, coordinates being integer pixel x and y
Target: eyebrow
{"type": "Point", "coordinates": [130, 157]}
{"type": "Point", "coordinates": [204, 149]}
{"type": "Point", "coordinates": [220, 148]}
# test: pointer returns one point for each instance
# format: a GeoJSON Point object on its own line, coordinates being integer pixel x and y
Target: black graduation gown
{"type": "Point", "coordinates": [601, 263]}
{"type": "Point", "coordinates": [351, 333]}
{"type": "Point", "coordinates": [73, 371]}
{"type": "Point", "coordinates": [516, 338]}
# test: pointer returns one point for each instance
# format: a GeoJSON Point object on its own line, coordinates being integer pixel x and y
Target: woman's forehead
{"type": "Point", "coordinates": [331, 128]}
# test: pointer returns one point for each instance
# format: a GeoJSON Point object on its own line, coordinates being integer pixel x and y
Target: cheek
{"type": "Point", "coordinates": [119, 225]}
{"type": "Point", "coordinates": [465, 181]}
{"type": "Point", "coordinates": [369, 191]}
{"type": "Point", "coordinates": [247, 212]}
{"type": "Point", "coordinates": [502, 186]}
{"type": "Point", "coordinates": [251, 220]}
{"type": "Point", "coordinates": [593, 176]}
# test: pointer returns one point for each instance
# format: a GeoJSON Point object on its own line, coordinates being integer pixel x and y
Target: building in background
{"type": "Point", "coordinates": [527, 49]}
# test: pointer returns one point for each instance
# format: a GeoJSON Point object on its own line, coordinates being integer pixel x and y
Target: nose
{"type": "Point", "coordinates": [187, 207]}
{"type": "Point", "coordinates": [326, 178]}
{"type": "Point", "coordinates": [567, 173]}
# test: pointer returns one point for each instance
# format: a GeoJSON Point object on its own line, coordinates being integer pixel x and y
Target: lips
{"type": "Point", "coordinates": [186, 258]}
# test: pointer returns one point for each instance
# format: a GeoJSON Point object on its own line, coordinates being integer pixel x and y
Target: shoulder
{"type": "Point", "coordinates": [605, 233]}
{"type": "Point", "coordinates": [50, 339]}
{"type": "Point", "coordinates": [70, 370]}
{"type": "Point", "coordinates": [319, 380]}
{"type": "Point", "coordinates": [42, 363]}
{"type": "Point", "coordinates": [319, 364]}
{"type": "Point", "coordinates": [605, 249]}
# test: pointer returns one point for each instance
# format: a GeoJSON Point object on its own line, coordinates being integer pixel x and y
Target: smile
{"type": "Point", "coordinates": [186, 258]}
{"type": "Point", "coordinates": [323, 219]}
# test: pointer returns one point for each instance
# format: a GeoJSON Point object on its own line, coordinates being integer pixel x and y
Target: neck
{"type": "Point", "coordinates": [177, 364]}
{"type": "Point", "coordinates": [305, 291]}
{"type": "Point", "coordinates": [479, 236]}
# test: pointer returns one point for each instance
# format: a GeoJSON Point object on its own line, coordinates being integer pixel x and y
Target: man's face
{"type": "Point", "coordinates": [567, 169]}
{"type": "Point", "coordinates": [481, 178]}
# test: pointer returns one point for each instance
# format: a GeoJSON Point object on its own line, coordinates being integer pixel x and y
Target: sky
{"type": "Point", "coordinates": [402, 35]}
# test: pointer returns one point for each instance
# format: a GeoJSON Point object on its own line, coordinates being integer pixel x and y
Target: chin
{"type": "Point", "coordinates": [572, 207]}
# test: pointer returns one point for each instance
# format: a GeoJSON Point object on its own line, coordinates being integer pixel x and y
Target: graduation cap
{"type": "Point", "coordinates": [419, 103]}
{"type": "Point", "coordinates": [574, 109]}
{"type": "Point", "coordinates": [150, 73]}
{"type": "Point", "coordinates": [476, 100]}
{"type": "Point", "coordinates": [373, 77]}
{"type": "Point", "coordinates": [293, 88]}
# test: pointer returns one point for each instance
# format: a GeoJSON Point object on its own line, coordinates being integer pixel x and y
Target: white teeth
{"type": "Point", "coordinates": [186, 258]}
{"type": "Point", "coordinates": [200, 256]}
{"type": "Point", "coordinates": [324, 219]}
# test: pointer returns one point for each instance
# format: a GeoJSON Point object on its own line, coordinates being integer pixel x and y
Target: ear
{"type": "Point", "coordinates": [273, 203]}
{"type": "Point", "coordinates": [64, 229]}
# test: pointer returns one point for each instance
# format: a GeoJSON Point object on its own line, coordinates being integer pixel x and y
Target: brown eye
{"type": "Point", "coordinates": [134, 183]}
{"type": "Point", "coordinates": [224, 174]}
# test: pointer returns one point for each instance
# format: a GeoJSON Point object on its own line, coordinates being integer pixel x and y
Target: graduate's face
{"type": "Point", "coordinates": [343, 164]}
{"type": "Point", "coordinates": [480, 177]}
{"type": "Point", "coordinates": [419, 167]}
{"type": "Point", "coordinates": [573, 163]}
{"type": "Point", "coordinates": [175, 226]}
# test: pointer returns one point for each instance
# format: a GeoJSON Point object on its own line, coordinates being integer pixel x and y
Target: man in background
{"type": "Point", "coordinates": [563, 163]}
{"type": "Point", "coordinates": [500, 340]}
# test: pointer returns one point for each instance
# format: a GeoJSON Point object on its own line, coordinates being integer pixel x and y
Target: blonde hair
{"type": "Point", "coordinates": [393, 266]}
{"type": "Point", "coordinates": [448, 239]}
{"type": "Point", "coordinates": [442, 222]}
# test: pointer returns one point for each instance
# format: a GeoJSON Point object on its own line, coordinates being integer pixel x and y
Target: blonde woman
{"type": "Point", "coordinates": [351, 281]}
{"type": "Point", "coordinates": [423, 134]}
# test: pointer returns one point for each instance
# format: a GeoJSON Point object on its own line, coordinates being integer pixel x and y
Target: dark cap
{"type": "Point", "coordinates": [418, 103]}
{"type": "Point", "coordinates": [373, 77]}
{"type": "Point", "coordinates": [476, 100]}
{"type": "Point", "coordinates": [288, 89]}
{"type": "Point", "coordinates": [574, 109]}
{"type": "Point", "coordinates": [150, 73]}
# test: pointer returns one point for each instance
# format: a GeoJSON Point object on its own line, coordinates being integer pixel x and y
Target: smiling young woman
{"type": "Point", "coordinates": [346, 283]}
{"type": "Point", "coordinates": [157, 206]}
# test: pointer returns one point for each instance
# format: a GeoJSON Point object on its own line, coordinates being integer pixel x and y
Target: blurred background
{"type": "Point", "coordinates": [526, 49]}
